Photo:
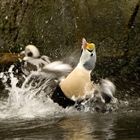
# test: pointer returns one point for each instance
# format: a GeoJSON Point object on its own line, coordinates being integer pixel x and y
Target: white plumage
{"type": "Point", "coordinates": [34, 61]}
{"type": "Point", "coordinates": [78, 81]}
{"type": "Point", "coordinates": [31, 51]}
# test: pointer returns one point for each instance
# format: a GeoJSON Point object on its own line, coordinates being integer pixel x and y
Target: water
{"type": "Point", "coordinates": [88, 126]}
{"type": "Point", "coordinates": [28, 113]}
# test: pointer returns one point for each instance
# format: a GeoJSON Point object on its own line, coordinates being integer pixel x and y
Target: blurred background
{"type": "Point", "coordinates": [56, 27]}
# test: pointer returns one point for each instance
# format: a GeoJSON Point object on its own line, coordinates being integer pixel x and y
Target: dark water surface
{"type": "Point", "coordinates": [86, 126]}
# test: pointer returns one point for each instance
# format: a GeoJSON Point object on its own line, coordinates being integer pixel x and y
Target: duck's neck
{"type": "Point", "coordinates": [88, 65]}
{"type": "Point", "coordinates": [84, 66]}
{"type": "Point", "coordinates": [87, 60]}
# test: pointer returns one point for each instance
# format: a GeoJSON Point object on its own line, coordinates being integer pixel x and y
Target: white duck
{"type": "Point", "coordinates": [78, 85]}
{"type": "Point", "coordinates": [34, 61]}
{"type": "Point", "coordinates": [33, 57]}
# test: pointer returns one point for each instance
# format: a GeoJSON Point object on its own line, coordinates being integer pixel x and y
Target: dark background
{"type": "Point", "coordinates": [56, 27]}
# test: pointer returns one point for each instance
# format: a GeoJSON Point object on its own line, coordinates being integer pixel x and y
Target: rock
{"type": "Point", "coordinates": [58, 26]}
{"type": "Point", "coordinates": [8, 59]}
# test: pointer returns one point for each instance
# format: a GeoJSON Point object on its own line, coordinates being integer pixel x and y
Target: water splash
{"type": "Point", "coordinates": [31, 99]}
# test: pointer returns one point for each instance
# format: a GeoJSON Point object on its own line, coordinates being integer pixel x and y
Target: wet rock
{"type": "Point", "coordinates": [57, 27]}
{"type": "Point", "coordinates": [8, 59]}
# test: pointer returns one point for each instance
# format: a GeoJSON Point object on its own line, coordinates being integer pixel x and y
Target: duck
{"type": "Point", "coordinates": [78, 85]}
{"type": "Point", "coordinates": [33, 61]}
{"type": "Point", "coordinates": [31, 52]}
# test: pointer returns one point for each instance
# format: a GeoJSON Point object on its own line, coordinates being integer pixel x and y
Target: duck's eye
{"type": "Point", "coordinates": [89, 50]}
{"type": "Point", "coordinates": [30, 54]}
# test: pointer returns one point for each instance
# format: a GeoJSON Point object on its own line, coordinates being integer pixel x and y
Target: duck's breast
{"type": "Point", "coordinates": [75, 82]}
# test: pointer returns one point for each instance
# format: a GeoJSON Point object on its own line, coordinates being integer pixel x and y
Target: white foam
{"type": "Point", "coordinates": [58, 66]}
{"type": "Point", "coordinates": [30, 100]}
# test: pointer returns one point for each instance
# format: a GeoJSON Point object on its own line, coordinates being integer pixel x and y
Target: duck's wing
{"type": "Point", "coordinates": [58, 68]}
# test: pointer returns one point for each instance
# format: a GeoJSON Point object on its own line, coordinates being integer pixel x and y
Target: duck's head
{"type": "Point", "coordinates": [88, 55]}
{"type": "Point", "coordinates": [31, 51]}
